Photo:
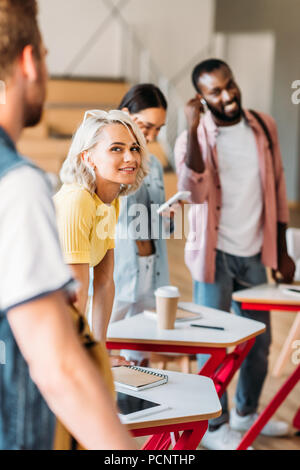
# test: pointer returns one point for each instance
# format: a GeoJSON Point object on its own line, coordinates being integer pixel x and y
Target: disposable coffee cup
{"type": "Point", "coordinates": [166, 306]}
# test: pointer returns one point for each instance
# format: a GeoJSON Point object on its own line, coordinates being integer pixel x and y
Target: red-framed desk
{"type": "Point", "coordinates": [192, 401]}
{"type": "Point", "coordinates": [269, 297]}
{"type": "Point", "coordinates": [141, 333]}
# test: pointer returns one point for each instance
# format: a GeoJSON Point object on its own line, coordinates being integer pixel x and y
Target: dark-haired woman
{"type": "Point", "coordinates": [141, 264]}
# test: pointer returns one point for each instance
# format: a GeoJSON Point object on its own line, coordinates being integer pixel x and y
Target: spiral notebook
{"type": "Point", "coordinates": [137, 378]}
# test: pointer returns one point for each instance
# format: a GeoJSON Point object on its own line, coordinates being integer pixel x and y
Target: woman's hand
{"type": "Point", "coordinates": [120, 361]}
{"type": "Point", "coordinates": [140, 123]}
{"type": "Point", "coordinates": [171, 211]}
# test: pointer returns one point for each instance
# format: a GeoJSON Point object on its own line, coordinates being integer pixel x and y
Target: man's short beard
{"type": "Point", "coordinates": [224, 117]}
{"type": "Point", "coordinates": [33, 115]}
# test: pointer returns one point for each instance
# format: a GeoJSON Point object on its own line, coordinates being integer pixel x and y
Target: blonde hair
{"type": "Point", "coordinates": [76, 170]}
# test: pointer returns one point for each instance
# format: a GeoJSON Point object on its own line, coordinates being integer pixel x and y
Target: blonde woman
{"type": "Point", "coordinates": [107, 159]}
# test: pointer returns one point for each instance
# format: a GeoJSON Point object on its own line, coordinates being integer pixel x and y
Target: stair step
{"type": "Point", "coordinates": [74, 92]}
{"type": "Point", "coordinates": [48, 143]}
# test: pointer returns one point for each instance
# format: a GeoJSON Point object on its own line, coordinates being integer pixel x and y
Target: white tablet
{"type": "Point", "coordinates": [131, 407]}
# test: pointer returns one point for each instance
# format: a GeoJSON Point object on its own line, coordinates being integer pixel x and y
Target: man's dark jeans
{"type": "Point", "coordinates": [234, 273]}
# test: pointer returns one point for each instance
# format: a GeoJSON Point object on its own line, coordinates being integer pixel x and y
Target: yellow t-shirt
{"type": "Point", "coordinates": [86, 225]}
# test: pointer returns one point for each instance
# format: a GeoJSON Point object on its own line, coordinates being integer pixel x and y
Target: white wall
{"type": "Point", "coordinates": [173, 31]}
{"type": "Point", "coordinates": [248, 54]}
{"type": "Point", "coordinates": [67, 25]}
{"type": "Point", "coordinates": [282, 18]}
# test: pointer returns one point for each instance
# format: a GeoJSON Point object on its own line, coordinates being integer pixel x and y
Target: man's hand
{"type": "Point", "coordinates": [193, 110]}
{"type": "Point", "coordinates": [286, 269]}
{"type": "Point", "coordinates": [194, 157]}
{"type": "Point", "coordinates": [286, 266]}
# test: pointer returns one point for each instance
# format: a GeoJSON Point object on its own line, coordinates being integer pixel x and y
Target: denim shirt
{"type": "Point", "coordinates": [26, 422]}
{"type": "Point", "coordinates": [126, 274]}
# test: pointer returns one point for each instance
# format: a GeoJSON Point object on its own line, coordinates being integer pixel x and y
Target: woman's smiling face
{"type": "Point", "coordinates": [117, 155]}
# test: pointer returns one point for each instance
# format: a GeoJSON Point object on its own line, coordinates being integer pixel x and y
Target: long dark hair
{"type": "Point", "coordinates": [143, 96]}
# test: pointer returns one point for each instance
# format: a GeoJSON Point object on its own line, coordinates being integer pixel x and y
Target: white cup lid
{"type": "Point", "coordinates": [167, 291]}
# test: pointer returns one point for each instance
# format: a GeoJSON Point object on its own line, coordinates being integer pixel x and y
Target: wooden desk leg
{"type": "Point", "coordinates": [287, 350]}
{"type": "Point", "coordinates": [264, 417]}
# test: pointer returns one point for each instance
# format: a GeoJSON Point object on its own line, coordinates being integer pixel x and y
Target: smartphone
{"type": "Point", "coordinates": [203, 102]}
{"type": "Point", "coordinates": [180, 196]}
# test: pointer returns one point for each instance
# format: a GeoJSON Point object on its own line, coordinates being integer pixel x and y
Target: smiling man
{"type": "Point", "coordinates": [229, 158]}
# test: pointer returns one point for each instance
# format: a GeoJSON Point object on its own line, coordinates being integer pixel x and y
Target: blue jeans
{"type": "Point", "coordinates": [234, 273]}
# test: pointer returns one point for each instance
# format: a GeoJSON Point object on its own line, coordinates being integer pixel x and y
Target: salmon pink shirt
{"type": "Point", "coordinates": [206, 195]}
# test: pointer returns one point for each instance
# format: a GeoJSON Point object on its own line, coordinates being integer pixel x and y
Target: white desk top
{"type": "Point", "coordinates": [268, 294]}
{"type": "Point", "coordinates": [190, 398]}
{"type": "Point", "coordinates": [142, 329]}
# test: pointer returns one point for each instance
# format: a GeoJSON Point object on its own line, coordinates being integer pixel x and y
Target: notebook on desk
{"type": "Point", "coordinates": [137, 378]}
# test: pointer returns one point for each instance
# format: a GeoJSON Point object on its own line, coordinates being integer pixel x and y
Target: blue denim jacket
{"type": "Point", "coordinates": [25, 420]}
{"type": "Point", "coordinates": [126, 273]}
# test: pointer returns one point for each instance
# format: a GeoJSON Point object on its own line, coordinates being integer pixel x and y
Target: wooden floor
{"type": "Point", "coordinates": [281, 323]}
